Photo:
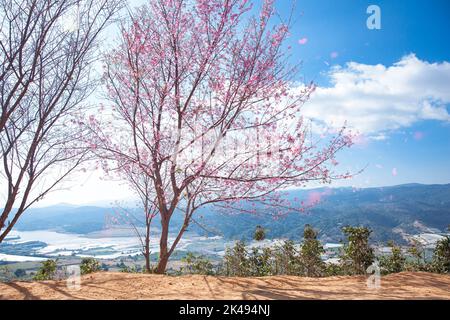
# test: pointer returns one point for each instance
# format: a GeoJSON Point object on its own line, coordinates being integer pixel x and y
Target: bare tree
{"type": "Point", "coordinates": [48, 51]}
{"type": "Point", "coordinates": [143, 187]}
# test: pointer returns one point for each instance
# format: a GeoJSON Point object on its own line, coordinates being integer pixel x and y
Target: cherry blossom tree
{"type": "Point", "coordinates": [203, 102]}
{"type": "Point", "coordinates": [47, 52]}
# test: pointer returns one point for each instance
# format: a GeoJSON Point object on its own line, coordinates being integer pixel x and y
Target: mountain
{"type": "Point", "coordinates": [391, 212]}
{"type": "Point", "coordinates": [65, 218]}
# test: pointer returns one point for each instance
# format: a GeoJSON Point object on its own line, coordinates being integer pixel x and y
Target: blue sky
{"type": "Point", "coordinates": [415, 150]}
{"type": "Point", "coordinates": [420, 27]}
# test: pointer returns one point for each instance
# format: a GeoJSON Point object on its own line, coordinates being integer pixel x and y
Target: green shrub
{"type": "Point", "coordinates": [46, 271]}
{"type": "Point", "coordinates": [104, 267]}
{"type": "Point", "coordinates": [332, 269]}
{"type": "Point", "coordinates": [417, 261]}
{"type": "Point", "coordinates": [395, 262]}
{"type": "Point", "coordinates": [310, 253]}
{"type": "Point", "coordinates": [358, 255]}
{"type": "Point", "coordinates": [89, 265]}
{"type": "Point", "coordinates": [441, 256]}
{"type": "Point", "coordinates": [197, 265]}
{"type": "Point", "coordinates": [261, 262]}
{"type": "Point", "coordinates": [260, 233]}
{"type": "Point", "coordinates": [20, 273]}
{"type": "Point", "coordinates": [287, 260]}
{"type": "Point", "coordinates": [5, 274]}
{"type": "Point", "coordinates": [133, 269]}
{"type": "Point", "coordinates": [236, 261]}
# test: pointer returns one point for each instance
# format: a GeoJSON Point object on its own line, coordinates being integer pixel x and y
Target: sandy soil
{"type": "Point", "coordinates": [110, 285]}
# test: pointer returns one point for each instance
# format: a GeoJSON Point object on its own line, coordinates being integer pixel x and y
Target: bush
{"type": "Point", "coordinates": [133, 269]}
{"type": "Point", "coordinates": [46, 271]}
{"type": "Point", "coordinates": [197, 265]}
{"type": "Point", "coordinates": [261, 262]}
{"type": "Point", "coordinates": [5, 274]}
{"type": "Point", "coordinates": [358, 255]}
{"type": "Point", "coordinates": [310, 253]}
{"type": "Point", "coordinates": [417, 261]}
{"type": "Point", "coordinates": [287, 260]}
{"type": "Point", "coordinates": [20, 273]}
{"type": "Point", "coordinates": [260, 234]}
{"type": "Point", "coordinates": [104, 267]}
{"type": "Point", "coordinates": [89, 265]}
{"type": "Point", "coordinates": [395, 262]}
{"type": "Point", "coordinates": [441, 256]}
{"type": "Point", "coordinates": [236, 261]}
{"type": "Point", "coordinates": [332, 270]}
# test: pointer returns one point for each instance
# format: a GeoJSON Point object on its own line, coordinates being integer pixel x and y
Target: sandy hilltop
{"type": "Point", "coordinates": [111, 285]}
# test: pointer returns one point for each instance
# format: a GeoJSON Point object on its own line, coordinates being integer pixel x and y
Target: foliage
{"type": "Point", "coordinates": [104, 267]}
{"type": "Point", "coordinates": [441, 256]}
{"type": "Point", "coordinates": [310, 253]}
{"type": "Point", "coordinates": [89, 265]}
{"type": "Point", "coordinates": [306, 260]}
{"type": "Point", "coordinates": [287, 260]}
{"type": "Point", "coordinates": [358, 255]}
{"type": "Point", "coordinates": [20, 273]}
{"type": "Point", "coordinates": [260, 233]}
{"type": "Point", "coordinates": [5, 274]}
{"type": "Point", "coordinates": [417, 260]}
{"type": "Point", "coordinates": [261, 262]}
{"type": "Point", "coordinates": [395, 262]}
{"type": "Point", "coordinates": [236, 262]}
{"type": "Point", "coordinates": [133, 269]}
{"type": "Point", "coordinates": [197, 265]}
{"type": "Point", "coordinates": [47, 270]}
{"type": "Point", "coordinates": [332, 269]}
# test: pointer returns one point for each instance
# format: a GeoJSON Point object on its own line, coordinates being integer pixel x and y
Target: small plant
{"type": "Point", "coordinates": [260, 233]}
{"type": "Point", "coordinates": [20, 273]}
{"type": "Point", "coordinates": [395, 262]}
{"type": "Point", "coordinates": [236, 260]}
{"type": "Point", "coordinates": [287, 260]}
{"type": "Point", "coordinates": [358, 255]}
{"type": "Point", "coordinates": [332, 269]}
{"type": "Point", "coordinates": [416, 261]}
{"type": "Point", "coordinates": [197, 265]}
{"type": "Point", "coordinates": [441, 256]}
{"type": "Point", "coordinates": [261, 262]}
{"type": "Point", "coordinates": [47, 270]}
{"type": "Point", "coordinates": [104, 267]}
{"type": "Point", "coordinates": [89, 265]}
{"type": "Point", "coordinates": [133, 269]}
{"type": "Point", "coordinates": [5, 274]}
{"type": "Point", "coordinates": [310, 253]}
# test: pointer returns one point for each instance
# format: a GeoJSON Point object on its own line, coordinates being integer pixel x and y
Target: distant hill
{"type": "Point", "coordinates": [390, 211]}
{"type": "Point", "coordinates": [65, 218]}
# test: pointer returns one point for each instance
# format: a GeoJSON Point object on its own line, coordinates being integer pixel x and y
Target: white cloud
{"type": "Point", "coordinates": [376, 98]}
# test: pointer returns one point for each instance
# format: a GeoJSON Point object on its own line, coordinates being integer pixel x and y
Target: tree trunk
{"type": "Point", "coordinates": [4, 232]}
{"type": "Point", "coordinates": [147, 250]}
{"type": "Point", "coordinates": [162, 264]}
{"type": "Point", "coordinates": [163, 251]}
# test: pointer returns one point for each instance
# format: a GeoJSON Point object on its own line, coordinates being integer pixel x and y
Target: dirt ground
{"type": "Point", "coordinates": [111, 285]}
